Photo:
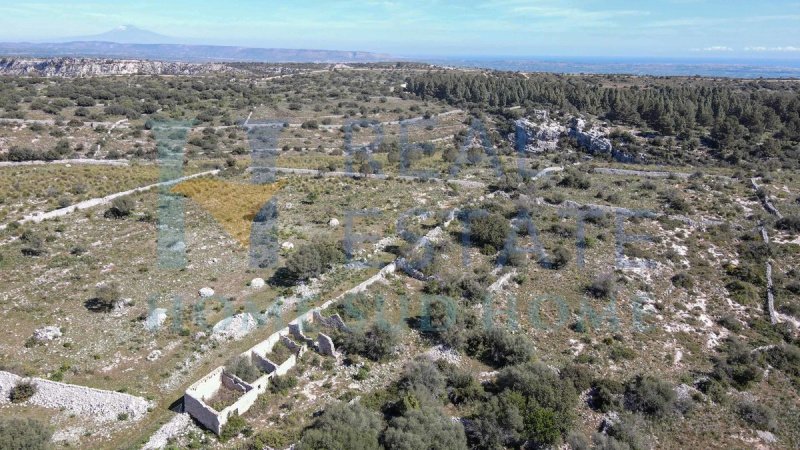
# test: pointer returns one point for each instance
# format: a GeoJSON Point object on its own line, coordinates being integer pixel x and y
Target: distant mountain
{"type": "Point", "coordinates": [125, 34]}
{"type": "Point", "coordinates": [130, 42]}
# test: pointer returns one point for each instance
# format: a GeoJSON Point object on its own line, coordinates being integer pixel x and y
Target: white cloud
{"type": "Point", "coordinates": [788, 48]}
{"type": "Point", "coordinates": [713, 48]}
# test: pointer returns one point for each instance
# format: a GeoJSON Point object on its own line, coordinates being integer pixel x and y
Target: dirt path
{"type": "Point", "coordinates": [642, 173]}
{"type": "Point", "coordinates": [95, 162]}
{"type": "Point", "coordinates": [380, 176]}
{"type": "Point", "coordinates": [52, 122]}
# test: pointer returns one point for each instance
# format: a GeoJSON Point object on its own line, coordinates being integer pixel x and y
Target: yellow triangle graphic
{"type": "Point", "coordinates": [232, 205]}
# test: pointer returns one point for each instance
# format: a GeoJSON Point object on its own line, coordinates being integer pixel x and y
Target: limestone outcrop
{"type": "Point", "coordinates": [538, 135]}
{"type": "Point", "coordinates": [90, 67]}
{"type": "Point", "coordinates": [592, 139]}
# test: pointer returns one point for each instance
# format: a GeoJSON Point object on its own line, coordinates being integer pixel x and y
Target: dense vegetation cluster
{"type": "Point", "coordinates": [739, 120]}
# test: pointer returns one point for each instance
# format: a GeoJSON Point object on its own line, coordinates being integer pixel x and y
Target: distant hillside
{"type": "Point", "coordinates": [85, 67]}
{"type": "Point", "coordinates": [183, 53]}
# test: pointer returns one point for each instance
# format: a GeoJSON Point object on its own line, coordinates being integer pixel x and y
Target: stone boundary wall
{"type": "Point", "coordinates": [766, 201]}
{"type": "Point", "coordinates": [773, 317]}
{"type": "Point", "coordinates": [641, 173]}
{"type": "Point", "coordinates": [95, 404]}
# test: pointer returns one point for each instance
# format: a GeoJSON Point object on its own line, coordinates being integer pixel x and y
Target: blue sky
{"type": "Point", "coordinates": [680, 28]}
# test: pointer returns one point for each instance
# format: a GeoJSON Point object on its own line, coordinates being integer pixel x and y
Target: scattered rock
{"type": "Point", "coordinates": [443, 352]}
{"type": "Point", "coordinates": [257, 283]}
{"type": "Point", "coordinates": [235, 327]}
{"type": "Point", "coordinates": [178, 426]}
{"type": "Point", "coordinates": [122, 305]}
{"type": "Point", "coordinates": [683, 392]}
{"type": "Point", "coordinates": [538, 137]}
{"type": "Point", "coordinates": [206, 292]}
{"type": "Point", "coordinates": [47, 333]}
{"type": "Point", "coordinates": [609, 420]}
{"type": "Point", "coordinates": [154, 355]}
{"type": "Point", "coordinates": [200, 335]}
{"type": "Point", "coordinates": [594, 140]}
{"type": "Point", "coordinates": [766, 436]}
{"type": "Point", "coordinates": [155, 319]}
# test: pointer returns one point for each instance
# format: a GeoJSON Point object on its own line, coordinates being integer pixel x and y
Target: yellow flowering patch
{"type": "Point", "coordinates": [232, 205]}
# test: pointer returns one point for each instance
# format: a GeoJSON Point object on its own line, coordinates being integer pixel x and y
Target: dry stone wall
{"type": "Point", "coordinates": [95, 404]}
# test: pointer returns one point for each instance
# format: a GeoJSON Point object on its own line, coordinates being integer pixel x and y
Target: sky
{"type": "Point", "coordinates": [614, 28]}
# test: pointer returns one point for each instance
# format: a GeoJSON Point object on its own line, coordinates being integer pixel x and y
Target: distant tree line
{"type": "Point", "coordinates": [738, 119]}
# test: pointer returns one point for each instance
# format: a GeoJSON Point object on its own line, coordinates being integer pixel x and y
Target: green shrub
{"type": "Point", "coordinates": [757, 415]}
{"type": "Point", "coordinates": [282, 384]}
{"type": "Point", "coordinates": [541, 426]}
{"type": "Point", "coordinates": [22, 392]}
{"type": "Point", "coordinates": [627, 434]}
{"type": "Point", "coordinates": [281, 437]}
{"type": "Point", "coordinates": [33, 243]}
{"type": "Point", "coordinates": [423, 375]}
{"type": "Point", "coordinates": [649, 396]}
{"type": "Point", "coordinates": [539, 387]}
{"type": "Point", "coordinates": [489, 229]}
{"type": "Point", "coordinates": [105, 297]}
{"type": "Point", "coordinates": [377, 342]}
{"type": "Point", "coordinates": [235, 426]}
{"type": "Point", "coordinates": [579, 374]}
{"type": "Point", "coordinates": [730, 322]}
{"type": "Point", "coordinates": [675, 201]}
{"type": "Point", "coordinates": [343, 427]}
{"type": "Point", "coordinates": [603, 286]}
{"type": "Point", "coordinates": [461, 385]}
{"type": "Point", "coordinates": [786, 357]}
{"type": "Point", "coordinates": [243, 367]}
{"type": "Point", "coordinates": [574, 179]}
{"type": "Point", "coordinates": [499, 347]}
{"type": "Point", "coordinates": [426, 427]}
{"type": "Point", "coordinates": [683, 279]}
{"type": "Point", "coordinates": [362, 374]}
{"type": "Point", "coordinates": [736, 364]}
{"type": "Point", "coordinates": [789, 223]}
{"type": "Point", "coordinates": [607, 395]}
{"type": "Point", "coordinates": [561, 257]}
{"type": "Point", "coordinates": [313, 259]}
{"type": "Point", "coordinates": [121, 207]}
{"type": "Point", "coordinates": [23, 434]}
{"type": "Point", "coordinates": [498, 422]}
{"type": "Point", "coordinates": [619, 352]}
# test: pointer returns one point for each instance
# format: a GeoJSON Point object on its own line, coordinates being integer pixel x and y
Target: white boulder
{"type": "Point", "coordinates": [155, 319]}
{"type": "Point", "coordinates": [594, 139]}
{"type": "Point", "coordinates": [47, 333]}
{"type": "Point", "coordinates": [154, 355]}
{"type": "Point", "coordinates": [206, 292]}
{"type": "Point", "coordinates": [235, 327]}
{"type": "Point", "coordinates": [287, 246]}
{"type": "Point", "coordinates": [538, 137]}
{"type": "Point", "coordinates": [257, 283]}
{"type": "Point", "coordinates": [333, 223]}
